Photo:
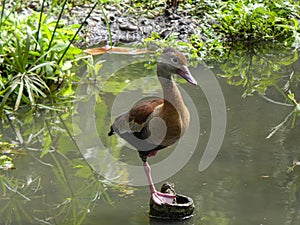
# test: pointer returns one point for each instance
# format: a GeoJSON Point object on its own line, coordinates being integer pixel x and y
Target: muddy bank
{"type": "Point", "coordinates": [133, 27]}
{"type": "Point", "coordinates": [127, 25]}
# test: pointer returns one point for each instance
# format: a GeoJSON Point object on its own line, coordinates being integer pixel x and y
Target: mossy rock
{"type": "Point", "coordinates": [182, 207]}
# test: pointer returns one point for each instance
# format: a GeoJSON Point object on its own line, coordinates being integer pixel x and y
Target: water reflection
{"type": "Point", "coordinates": [51, 183]}
{"type": "Point", "coordinates": [248, 182]}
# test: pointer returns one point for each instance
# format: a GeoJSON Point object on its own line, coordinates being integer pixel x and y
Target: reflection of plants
{"type": "Point", "coordinates": [14, 193]}
{"type": "Point", "coordinates": [296, 110]}
{"type": "Point", "coordinates": [250, 67]}
{"type": "Point", "coordinates": [6, 162]}
{"type": "Point", "coordinates": [73, 208]}
{"type": "Point", "coordinates": [45, 136]}
{"type": "Point", "coordinates": [292, 116]}
{"type": "Point", "coordinates": [7, 151]}
{"type": "Point", "coordinates": [267, 72]}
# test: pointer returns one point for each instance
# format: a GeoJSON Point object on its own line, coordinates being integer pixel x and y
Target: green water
{"type": "Point", "coordinates": [246, 183]}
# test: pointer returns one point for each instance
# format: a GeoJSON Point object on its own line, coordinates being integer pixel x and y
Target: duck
{"type": "Point", "coordinates": [156, 123]}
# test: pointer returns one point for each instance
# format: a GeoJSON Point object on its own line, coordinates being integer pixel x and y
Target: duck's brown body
{"type": "Point", "coordinates": [154, 124]}
{"type": "Point", "coordinates": [148, 138]}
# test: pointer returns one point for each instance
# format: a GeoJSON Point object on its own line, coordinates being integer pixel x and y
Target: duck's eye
{"type": "Point", "coordinates": [174, 60]}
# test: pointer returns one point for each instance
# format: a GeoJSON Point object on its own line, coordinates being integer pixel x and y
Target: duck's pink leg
{"type": "Point", "coordinates": [158, 197]}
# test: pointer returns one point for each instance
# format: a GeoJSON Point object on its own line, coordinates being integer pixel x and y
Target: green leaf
{"type": "Point", "coordinates": [21, 87]}
{"type": "Point", "coordinates": [29, 91]}
{"type": "Point", "coordinates": [66, 66]}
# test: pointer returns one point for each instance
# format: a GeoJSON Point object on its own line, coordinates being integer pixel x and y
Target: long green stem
{"type": "Point", "coordinates": [39, 25]}
{"type": "Point", "coordinates": [56, 25]}
{"type": "Point", "coordinates": [107, 25]}
{"type": "Point", "coordinates": [75, 35]}
{"type": "Point", "coordinates": [72, 138]}
{"type": "Point", "coordinates": [2, 14]}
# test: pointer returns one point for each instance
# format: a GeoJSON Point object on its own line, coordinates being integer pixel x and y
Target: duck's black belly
{"type": "Point", "coordinates": [140, 142]}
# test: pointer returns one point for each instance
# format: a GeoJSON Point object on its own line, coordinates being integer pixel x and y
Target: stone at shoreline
{"type": "Point", "coordinates": [126, 26]}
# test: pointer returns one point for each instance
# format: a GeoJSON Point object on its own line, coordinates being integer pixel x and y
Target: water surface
{"type": "Point", "coordinates": [247, 183]}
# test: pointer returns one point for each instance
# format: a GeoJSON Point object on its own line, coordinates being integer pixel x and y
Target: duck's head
{"type": "Point", "coordinates": [172, 62]}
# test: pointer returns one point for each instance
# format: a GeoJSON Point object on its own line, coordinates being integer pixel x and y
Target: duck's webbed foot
{"type": "Point", "coordinates": [162, 198]}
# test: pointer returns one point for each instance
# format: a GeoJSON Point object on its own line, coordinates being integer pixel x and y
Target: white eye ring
{"type": "Point", "coordinates": [174, 60]}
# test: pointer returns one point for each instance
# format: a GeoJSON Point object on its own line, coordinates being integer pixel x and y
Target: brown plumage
{"type": "Point", "coordinates": [156, 123]}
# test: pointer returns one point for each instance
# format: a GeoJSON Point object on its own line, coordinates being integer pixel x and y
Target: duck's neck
{"type": "Point", "coordinates": [173, 101]}
{"type": "Point", "coordinates": [171, 92]}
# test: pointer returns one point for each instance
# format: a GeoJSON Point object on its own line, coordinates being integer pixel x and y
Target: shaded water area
{"type": "Point", "coordinates": [247, 183]}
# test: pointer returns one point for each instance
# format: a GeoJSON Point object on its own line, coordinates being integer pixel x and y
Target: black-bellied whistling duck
{"type": "Point", "coordinates": [157, 123]}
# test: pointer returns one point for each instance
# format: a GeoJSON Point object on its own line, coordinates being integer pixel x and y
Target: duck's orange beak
{"type": "Point", "coordinates": [185, 73]}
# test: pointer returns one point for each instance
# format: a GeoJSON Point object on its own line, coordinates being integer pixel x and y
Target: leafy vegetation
{"type": "Point", "coordinates": [261, 20]}
{"type": "Point", "coordinates": [35, 55]}
{"type": "Point", "coordinates": [223, 23]}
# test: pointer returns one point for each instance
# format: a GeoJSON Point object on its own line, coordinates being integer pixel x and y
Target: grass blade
{"type": "Point", "coordinates": [32, 69]}
{"type": "Point", "coordinates": [2, 14]}
{"type": "Point", "coordinates": [25, 54]}
{"type": "Point", "coordinates": [108, 26]}
{"type": "Point", "coordinates": [21, 88]}
{"type": "Point", "coordinates": [29, 91]}
{"type": "Point", "coordinates": [7, 94]}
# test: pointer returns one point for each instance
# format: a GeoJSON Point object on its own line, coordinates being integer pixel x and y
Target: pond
{"type": "Point", "coordinates": [70, 172]}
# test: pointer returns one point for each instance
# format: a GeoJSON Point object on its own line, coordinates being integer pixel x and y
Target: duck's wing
{"type": "Point", "coordinates": [136, 120]}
